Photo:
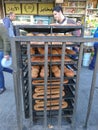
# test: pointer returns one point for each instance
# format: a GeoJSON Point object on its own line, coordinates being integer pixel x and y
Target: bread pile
{"type": "Point", "coordinates": [53, 34]}
{"type": "Point", "coordinates": [39, 71]}
{"type": "Point", "coordinates": [54, 55]}
{"type": "Point", "coordinates": [53, 94]}
{"type": "Point", "coordinates": [54, 73]}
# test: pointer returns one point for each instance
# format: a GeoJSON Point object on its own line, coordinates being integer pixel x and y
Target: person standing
{"type": "Point", "coordinates": [5, 50]}
{"type": "Point", "coordinates": [8, 23]}
{"type": "Point", "coordinates": [60, 18]}
{"type": "Point", "coordinates": [92, 63]}
{"type": "Point", "coordinates": [63, 20]}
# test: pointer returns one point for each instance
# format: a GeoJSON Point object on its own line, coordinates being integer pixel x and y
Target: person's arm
{"type": "Point", "coordinates": [6, 22]}
{"type": "Point", "coordinates": [6, 41]}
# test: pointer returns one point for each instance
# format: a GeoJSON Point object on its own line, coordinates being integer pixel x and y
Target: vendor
{"type": "Point", "coordinates": [92, 63]}
{"type": "Point", "coordinates": [60, 18]}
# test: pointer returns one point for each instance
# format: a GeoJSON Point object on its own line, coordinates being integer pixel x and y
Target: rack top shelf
{"type": "Point", "coordinates": [47, 28]}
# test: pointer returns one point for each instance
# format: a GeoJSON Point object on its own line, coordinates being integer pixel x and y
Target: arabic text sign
{"type": "Point", "coordinates": [45, 9]}
{"type": "Point", "coordinates": [13, 8]}
{"type": "Point", "coordinates": [29, 8]}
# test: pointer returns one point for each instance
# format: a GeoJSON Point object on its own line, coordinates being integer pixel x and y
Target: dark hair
{"type": "Point", "coordinates": [58, 8]}
{"type": "Point", "coordinates": [78, 19]}
{"type": "Point", "coordinates": [11, 13]}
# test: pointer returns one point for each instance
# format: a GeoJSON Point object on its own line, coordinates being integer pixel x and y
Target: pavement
{"type": "Point", "coordinates": [8, 119]}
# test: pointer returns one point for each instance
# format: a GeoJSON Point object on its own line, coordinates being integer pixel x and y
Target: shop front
{"type": "Point", "coordinates": [28, 12]}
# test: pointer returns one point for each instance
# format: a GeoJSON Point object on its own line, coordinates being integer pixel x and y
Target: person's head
{"type": "Point", "coordinates": [40, 22]}
{"type": "Point", "coordinates": [78, 22]}
{"type": "Point", "coordinates": [12, 16]}
{"type": "Point", "coordinates": [58, 13]}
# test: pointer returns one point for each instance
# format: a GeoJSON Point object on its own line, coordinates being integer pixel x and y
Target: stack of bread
{"type": "Point", "coordinates": [53, 93]}
{"type": "Point", "coordinates": [53, 34]}
{"type": "Point", "coordinates": [38, 71]}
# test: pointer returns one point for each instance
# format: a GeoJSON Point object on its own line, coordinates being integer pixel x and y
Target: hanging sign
{"type": "Point", "coordinates": [15, 8]}
{"type": "Point", "coordinates": [29, 8]}
{"type": "Point", "coordinates": [45, 9]}
{"type": "Point", "coordinates": [59, 1]}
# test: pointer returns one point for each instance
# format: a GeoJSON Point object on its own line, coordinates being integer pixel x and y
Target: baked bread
{"type": "Point", "coordinates": [52, 82]}
{"type": "Point", "coordinates": [56, 71]}
{"type": "Point", "coordinates": [41, 50]}
{"type": "Point", "coordinates": [37, 59]}
{"type": "Point", "coordinates": [67, 59]}
{"type": "Point", "coordinates": [52, 88]}
{"type": "Point", "coordinates": [49, 95]}
{"type": "Point", "coordinates": [53, 59]}
{"type": "Point", "coordinates": [40, 34]}
{"type": "Point", "coordinates": [59, 50]}
{"type": "Point", "coordinates": [34, 71]}
{"type": "Point", "coordinates": [56, 59]}
{"type": "Point", "coordinates": [42, 72]}
{"type": "Point", "coordinates": [54, 52]}
{"type": "Point", "coordinates": [69, 51]}
{"type": "Point", "coordinates": [32, 50]}
{"type": "Point", "coordinates": [51, 105]}
{"type": "Point", "coordinates": [54, 68]}
{"type": "Point", "coordinates": [29, 34]}
{"type": "Point", "coordinates": [68, 72]}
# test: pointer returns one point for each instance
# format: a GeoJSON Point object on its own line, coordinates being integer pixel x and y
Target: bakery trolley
{"type": "Point", "coordinates": [47, 99]}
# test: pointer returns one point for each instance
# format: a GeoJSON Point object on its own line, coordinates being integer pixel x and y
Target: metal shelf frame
{"type": "Point", "coordinates": [16, 56]}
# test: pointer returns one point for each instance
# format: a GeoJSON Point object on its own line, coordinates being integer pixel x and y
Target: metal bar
{"type": "Point", "coordinates": [23, 84]}
{"type": "Point", "coordinates": [55, 39]}
{"type": "Point", "coordinates": [93, 85]}
{"type": "Point", "coordinates": [45, 85]}
{"type": "Point", "coordinates": [3, 8]}
{"type": "Point", "coordinates": [30, 85]}
{"type": "Point", "coordinates": [17, 82]}
{"type": "Point", "coordinates": [77, 85]}
{"type": "Point", "coordinates": [61, 86]}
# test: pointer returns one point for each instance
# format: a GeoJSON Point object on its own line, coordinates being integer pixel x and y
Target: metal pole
{"type": "Point", "coordinates": [77, 85]}
{"type": "Point", "coordinates": [30, 85]}
{"type": "Point", "coordinates": [61, 86]}
{"type": "Point", "coordinates": [3, 8]}
{"type": "Point", "coordinates": [92, 91]}
{"type": "Point", "coordinates": [17, 87]}
{"type": "Point", "coordinates": [45, 85]}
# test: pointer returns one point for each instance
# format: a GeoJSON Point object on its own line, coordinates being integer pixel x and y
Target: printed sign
{"type": "Point", "coordinates": [16, 8]}
{"type": "Point", "coordinates": [29, 8]}
{"type": "Point", "coordinates": [45, 9]}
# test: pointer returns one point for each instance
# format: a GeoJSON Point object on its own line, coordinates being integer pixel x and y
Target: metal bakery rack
{"type": "Point", "coordinates": [46, 75]}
